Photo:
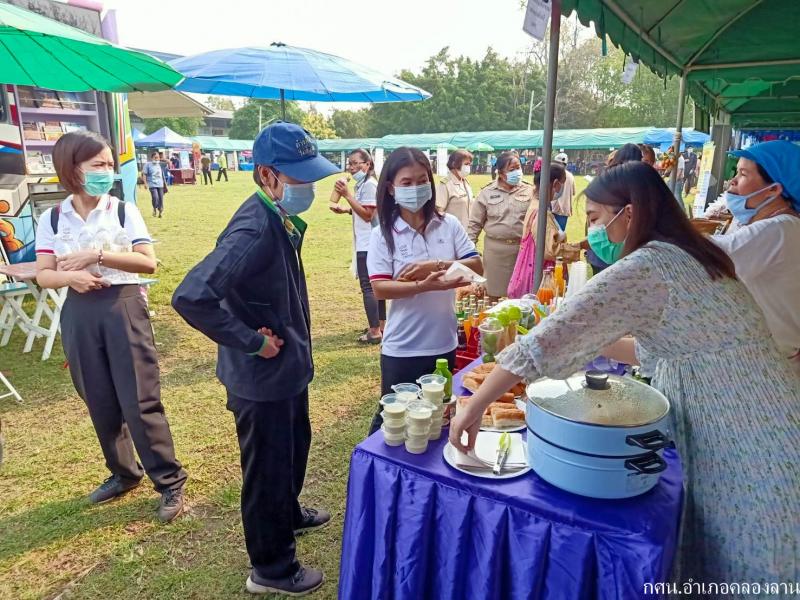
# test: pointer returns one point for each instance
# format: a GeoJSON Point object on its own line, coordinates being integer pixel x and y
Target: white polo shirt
{"type": "Point", "coordinates": [101, 229]}
{"type": "Point", "coordinates": [365, 196]}
{"type": "Point", "coordinates": [765, 255]}
{"type": "Point", "coordinates": [425, 324]}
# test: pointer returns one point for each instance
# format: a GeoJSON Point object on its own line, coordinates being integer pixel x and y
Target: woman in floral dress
{"type": "Point", "coordinates": [735, 399]}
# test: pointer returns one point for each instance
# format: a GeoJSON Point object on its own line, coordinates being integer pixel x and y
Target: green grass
{"type": "Point", "coordinates": [52, 541]}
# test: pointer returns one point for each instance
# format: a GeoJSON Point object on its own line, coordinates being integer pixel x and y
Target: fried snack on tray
{"type": "Point", "coordinates": [473, 289]}
{"type": "Point", "coordinates": [497, 414]}
{"type": "Point", "coordinates": [508, 417]}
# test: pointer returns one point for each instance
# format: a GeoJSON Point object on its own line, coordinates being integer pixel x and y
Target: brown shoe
{"type": "Point", "coordinates": [171, 505]}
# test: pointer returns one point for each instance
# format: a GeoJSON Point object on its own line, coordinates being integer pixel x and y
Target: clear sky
{"type": "Point", "coordinates": [384, 35]}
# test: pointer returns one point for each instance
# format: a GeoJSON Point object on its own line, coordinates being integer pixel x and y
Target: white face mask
{"type": "Point", "coordinates": [466, 170]}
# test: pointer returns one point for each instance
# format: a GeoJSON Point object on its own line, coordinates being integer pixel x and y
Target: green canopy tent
{"type": "Point", "coordinates": [347, 144]}
{"type": "Point", "coordinates": [739, 59]}
{"type": "Point", "coordinates": [41, 52]}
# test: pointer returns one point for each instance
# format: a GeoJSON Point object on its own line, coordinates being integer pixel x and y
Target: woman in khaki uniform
{"type": "Point", "coordinates": [499, 211]}
{"type": "Point", "coordinates": [454, 193]}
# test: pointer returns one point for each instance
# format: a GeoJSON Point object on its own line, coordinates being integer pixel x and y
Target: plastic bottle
{"type": "Point", "coordinates": [443, 370]}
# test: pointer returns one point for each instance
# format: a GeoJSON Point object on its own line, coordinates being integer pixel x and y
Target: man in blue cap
{"type": "Point", "coordinates": [764, 198]}
{"type": "Point", "coordinates": [249, 296]}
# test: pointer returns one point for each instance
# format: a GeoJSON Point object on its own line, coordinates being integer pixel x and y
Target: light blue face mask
{"type": "Point", "coordinates": [359, 176]}
{"type": "Point", "coordinates": [514, 177]}
{"type": "Point", "coordinates": [413, 197]}
{"type": "Point", "coordinates": [737, 204]}
{"type": "Point", "coordinates": [97, 183]}
{"type": "Point", "coordinates": [297, 197]}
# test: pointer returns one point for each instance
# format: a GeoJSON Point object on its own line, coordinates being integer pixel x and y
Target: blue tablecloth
{"type": "Point", "coordinates": [415, 528]}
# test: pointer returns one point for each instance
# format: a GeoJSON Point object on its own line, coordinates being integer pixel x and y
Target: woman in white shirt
{"type": "Point", "coordinates": [362, 207]}
{"type": "Point", "coordinates": [96, 245]}
{"type": "Point", "coordinates": [764, 198]}
{"type": "Point", "coordinates": [408, 255]}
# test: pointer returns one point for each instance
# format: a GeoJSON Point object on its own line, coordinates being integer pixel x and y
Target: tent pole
{"type": "Point", "coordinates": [676, 141]}
{"type": "Point", "coordinates": [283, 105]}
{"type": "Point", "coordinates": [547, 143]}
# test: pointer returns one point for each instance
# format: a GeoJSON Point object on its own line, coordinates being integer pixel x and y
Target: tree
{"type": "Point", "coordinates": [318, 125]}
{"type": "Point", "coordinates": [220, 103]}
{"type": "Point", "coordinates": [186, 126]}
{"type": "Point", "coordinates": [351, 123]}
{"type": "Point", "coordinates": [245, 124]}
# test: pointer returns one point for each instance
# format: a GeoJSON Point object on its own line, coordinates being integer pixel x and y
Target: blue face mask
{"type": "Point", "coordinates": [514, 177]}
{"type": "Point", "coordinates": [737, 204]}
{"type": "Point", "coordinates": [97, 183]}
{"type": "Point", "coordinates": [297, 198]}
{"type": "Point", "coordinates": [413, 197]}
{"type": "Point", "coordinates": [606, 250]}
{"type": "Point", "coordinates": [359, 176]}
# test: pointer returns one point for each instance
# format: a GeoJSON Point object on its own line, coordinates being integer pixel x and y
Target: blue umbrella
{"type": "Point", "coordinates": [163, 138]}
{"type": "Point", "coordinates": [288, 73]}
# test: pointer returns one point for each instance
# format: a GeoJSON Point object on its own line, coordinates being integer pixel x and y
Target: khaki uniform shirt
{"type": "Point", "coordinates": [500, 214]}
{"type": "Point", "coordinates": [454, 196]}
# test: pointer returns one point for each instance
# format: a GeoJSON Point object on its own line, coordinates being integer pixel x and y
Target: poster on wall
{"type": "Point", "coordinates": [703, 181]}
{"type": "Point", "coordinates": [17, 235]}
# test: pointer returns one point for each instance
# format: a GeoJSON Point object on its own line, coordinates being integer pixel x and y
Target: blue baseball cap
{"type": "Point", "coordinates": [293, 151]}
{"type": "Point", "coordinates": [781, 160]}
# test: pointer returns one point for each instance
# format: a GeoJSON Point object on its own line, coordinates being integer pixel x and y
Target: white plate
{"type": "Point", "coordinates": [449, 458]}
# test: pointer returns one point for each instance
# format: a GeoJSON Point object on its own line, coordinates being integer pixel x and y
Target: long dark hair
{"type": "Point", "coordinates": [656, 215]}
{"type": "Point", "coordinates": [388, 209]}
{"type": "Point", "coordinates": [367, 158]}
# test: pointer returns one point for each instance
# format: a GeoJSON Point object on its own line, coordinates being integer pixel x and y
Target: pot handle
{"type": "Point", "coordinates": [651, 440]}
{"type": "Point", "coordinates": [647, 464]}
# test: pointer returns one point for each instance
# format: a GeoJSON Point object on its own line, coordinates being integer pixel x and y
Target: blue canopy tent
{"type": "Point", "coordinates": [281, 72]}
{"type": "Point", "coordinates": [136, 134]}
{"type": "Point", "coordinates": [163, 138]}
{"type": "Point", "coordinates": [664, 138]}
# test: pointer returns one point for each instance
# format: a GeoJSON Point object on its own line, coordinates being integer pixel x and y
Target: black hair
{"type": "Point", "coordinates": [504, 159]}
{"type": "Point", "coordinates": [388, 209]}
{"type": "Point", "coordinates": [656, 215]}
{"type": "Point", "coordinates": [367, 158]}
{"type": "Point", "coordinates": [557, 173]}
{"type": "Point", "coordinates": [626, 153]}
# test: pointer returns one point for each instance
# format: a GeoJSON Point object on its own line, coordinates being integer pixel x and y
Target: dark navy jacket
{"type": "Point", "coordinates": [253, 278]}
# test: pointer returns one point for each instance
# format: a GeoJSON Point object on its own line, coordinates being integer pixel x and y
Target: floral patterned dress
{"type": "Point", "coordinates": [735, 403]}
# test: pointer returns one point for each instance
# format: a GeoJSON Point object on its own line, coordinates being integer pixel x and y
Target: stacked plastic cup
{"type": "Point", "coordinates": [419, 415]}
{"type": "Point", "coordinates": [406, 392]}
{"type": "Point", "coordinates": [394, 420]}
{"type": "Point", "coordinates": [433, 392]}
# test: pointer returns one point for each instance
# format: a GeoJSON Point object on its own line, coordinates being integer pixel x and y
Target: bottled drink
{"type": "Point", "coordinates": [443, 370]}
{"type": "Point", "coordinates": [462, 335]}
{"type": "Point", "coordinates": [546, 292]}
{"type": "Point", "coordinates": [558, 277]}
{"type": "Point", "coordinates": [468, 326]}
{"type": "Point", "coordinates": [474, 335]}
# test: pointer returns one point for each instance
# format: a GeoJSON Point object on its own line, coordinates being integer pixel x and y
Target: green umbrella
{"type": "Point", "coordinates": [480, 147]}
{"type": "Point", "coordinates": [38, 51]}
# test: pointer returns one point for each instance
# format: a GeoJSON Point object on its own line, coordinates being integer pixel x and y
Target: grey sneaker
{"type": "Point", "coordinates": [312, 519]}
{"type": "Point", "coordinates": [171, 505]}
{"type": "Point", "coordinates": [301, 583]}
{"type": "Point", "coordinates": [113, 487]}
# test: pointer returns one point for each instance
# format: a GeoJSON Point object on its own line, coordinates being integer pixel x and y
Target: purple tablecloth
{"type": "Point", "coordinates": [416, 528]}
